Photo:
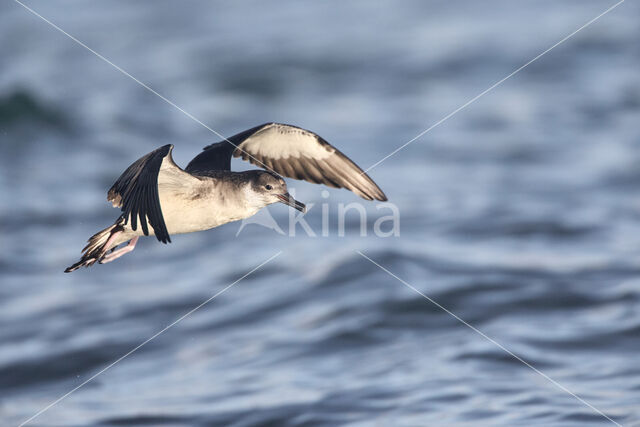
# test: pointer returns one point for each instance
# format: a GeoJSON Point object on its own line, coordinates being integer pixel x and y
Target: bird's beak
{"type": "Point", "coordinates": [290, 201]}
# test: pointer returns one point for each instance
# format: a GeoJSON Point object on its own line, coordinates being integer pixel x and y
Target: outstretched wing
{"type": "Point", "coordinates": [292, 152]}
{"type": "Point", "coordinates": [136, 191]}
{"type": "Point", "coordinates": [216, 157]}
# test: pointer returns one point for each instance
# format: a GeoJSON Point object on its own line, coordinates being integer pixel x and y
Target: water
{"type": "Point", "coordinates": [520, 214]}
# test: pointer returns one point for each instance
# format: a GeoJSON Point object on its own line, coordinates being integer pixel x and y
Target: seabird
{"type": "Point", "coordinates": [159, 198]}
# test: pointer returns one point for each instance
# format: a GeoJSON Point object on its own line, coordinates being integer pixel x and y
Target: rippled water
{"type": "Point", "coordinates": [520, 214]}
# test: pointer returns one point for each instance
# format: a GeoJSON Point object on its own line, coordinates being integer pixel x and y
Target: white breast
{"type": "Point", "coordinates": [211, 204]}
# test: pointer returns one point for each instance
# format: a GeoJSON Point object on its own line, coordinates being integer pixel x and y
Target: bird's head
{"type": "Point", "coordinates": [267, 188]}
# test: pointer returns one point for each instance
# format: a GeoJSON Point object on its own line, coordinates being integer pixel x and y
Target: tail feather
{"type": "Point", "coordinates": [96, 247]}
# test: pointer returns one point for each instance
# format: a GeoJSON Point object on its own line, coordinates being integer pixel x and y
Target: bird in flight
{"type": "Point", "coordinates": [159, 198]}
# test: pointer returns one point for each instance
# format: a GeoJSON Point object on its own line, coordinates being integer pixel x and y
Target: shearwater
{"type": "Point", "coordinates": [159, 198]}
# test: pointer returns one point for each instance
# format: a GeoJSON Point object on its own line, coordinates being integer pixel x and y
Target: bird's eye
{"type": "Point", "coordinates": [268, 187]}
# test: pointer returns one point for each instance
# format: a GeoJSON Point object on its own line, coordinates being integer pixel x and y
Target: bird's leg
{"type": "Point", "coordinates": [117, 254]}
{"type": "Point", "coordinates": [111, 239]}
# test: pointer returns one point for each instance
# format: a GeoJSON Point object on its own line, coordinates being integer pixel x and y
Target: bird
{"type": "Point", "coordinates": [157, 197]}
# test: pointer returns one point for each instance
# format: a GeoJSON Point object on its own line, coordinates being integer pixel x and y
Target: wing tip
{"type": "Point", "coordinates": [370, 190]}
{"type": "Point", "coordinates": [379, 196]}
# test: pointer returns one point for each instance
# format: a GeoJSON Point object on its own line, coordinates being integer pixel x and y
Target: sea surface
{"type": "Point", "coordinates": [517, 218]}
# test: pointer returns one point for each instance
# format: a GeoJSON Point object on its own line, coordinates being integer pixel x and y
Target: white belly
{"type": "Point", "coordinates": [197, 209]}
{"type": "Point", "coordinates": [182, 215]}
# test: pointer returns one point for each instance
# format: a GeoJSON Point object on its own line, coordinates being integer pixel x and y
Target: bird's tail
{"type": "Point", "coordinates": [97, 246]}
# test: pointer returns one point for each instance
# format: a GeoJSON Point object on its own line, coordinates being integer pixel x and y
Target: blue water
{"type": "Point", "coordinates": [520, 214]}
